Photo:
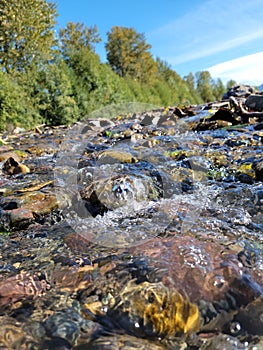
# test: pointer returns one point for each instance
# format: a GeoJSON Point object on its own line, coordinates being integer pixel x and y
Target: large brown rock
{"type": "Point", "coordinates": [203, 270]}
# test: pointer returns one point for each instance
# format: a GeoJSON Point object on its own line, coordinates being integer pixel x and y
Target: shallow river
{"type": "Point", "coordinates": [139, 232]}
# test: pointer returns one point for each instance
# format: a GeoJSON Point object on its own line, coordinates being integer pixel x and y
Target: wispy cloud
{"type": "Point", "coordinates": [208, 29]}
{"type": "Point", "coordinates": [247, 69]}
{"type": "Point", "coordinates": [214, 48]}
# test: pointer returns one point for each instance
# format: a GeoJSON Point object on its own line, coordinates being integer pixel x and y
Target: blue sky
{"type": "Point", "coordinates": [224, 37]}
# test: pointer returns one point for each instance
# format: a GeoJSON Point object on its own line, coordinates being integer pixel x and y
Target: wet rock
{"type": "Point", "coordinates": [187, 201]}
{"type": "Point", "coordinates": [250, 317]}
{"type": "Point", "coordinates": [124, 342]}
{"type": "Point", "coordinates": [38, 202]}
{"type": "Point", "coordinates": [72, 279]}
{"type": "Point", "coordinates": [19, 217]}
{"type": "Point", "coordinates": [117, 190]}
{"type": "Point", "coordinates": [12, 167]}
{"type": "Point", "coordinates": [115, 156]}
{"type": "Point", "coordinates": [258, 126]}
{"type": "Point", "coordinates": [223, 341]}
{"type": "Point", "coordinates": [21, 286]}
{"type": "Point", "coordinates": [255, 102]}
{"type": "Point", "coordinates": [19, 212]}
{"type": "Point", "coordinates": [152, 310]}
{"type": "Point", "coordinates": [65, 325]}
{"type": "Point", "coordinates": [224, 114]}
{"type": "Point", "coordinates": [13, 336]}
{"type": "Point", "coordinates": [201, 269]}
{"type": "Point", "coordinates": [259, 171]}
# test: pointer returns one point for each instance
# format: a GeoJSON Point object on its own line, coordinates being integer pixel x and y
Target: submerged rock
{"type": "Point", "coordinates": [19, 287]}
{"type": "Point", "coordinates": [152, 310]}
{"type": "Point", "coordinates": [203, 270]}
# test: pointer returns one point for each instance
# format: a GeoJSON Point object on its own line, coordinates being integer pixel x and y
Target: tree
{"type": "Point", "coordinates": [204, 86]}
{"type": "Point", "coordinates": [128, 54]}
{"type": "Point", "coordinates": [218, 89]}
{"type": "Point", "coordinates": [164, 68]}
{"type": "Point", "coordinates": [54, 94]}
{"type": "Point", "coordinates": [76, 36]}
{"type": "Point", "coordinates": [16, 105]}
{"type": "Point", "coordinates": [190, 81]}
{"type": "Point", "coordinates": [230, 84]}
{"type": "Point", "coordinates": [26, 32]}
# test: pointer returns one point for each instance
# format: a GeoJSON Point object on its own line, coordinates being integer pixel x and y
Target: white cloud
{"type": "Point", "coordinates": [247, 69]}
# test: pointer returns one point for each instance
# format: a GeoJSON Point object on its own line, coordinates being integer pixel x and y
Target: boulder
{"type": "Point", "coordinates": [255, 102]}
{"type": "Point", "coordinates": [239, 91]}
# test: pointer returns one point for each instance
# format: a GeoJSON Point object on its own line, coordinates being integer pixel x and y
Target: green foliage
{"type": "Point", "coordinates": [128, 54]}
{"type": "Point", "coordinates": [54, 94]}
{"type": "Point", "coordinates": [26, 32]}
{"type": "Point", "coordinates": [76, 37]}
{"type": "Point", "coordinates": [218, 89]}
{"type": "Point", "coordinates": [204, 86]}
{"type": "Point", "coordinates": [15, 105]}
{"type": "Point", "coordinates": [230, 84]}
{"type": "Point", "coordinates": [176, 90]}
{"type": "Point", "coordinates": [40, 84]}
{"type": "Point", "coordinates": [190, 81]}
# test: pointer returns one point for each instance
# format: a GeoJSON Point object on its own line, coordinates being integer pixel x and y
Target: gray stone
{"type": "Point", "coordinates": [255, 102]}
{"type": "Point", "coordinates": [239, 91]}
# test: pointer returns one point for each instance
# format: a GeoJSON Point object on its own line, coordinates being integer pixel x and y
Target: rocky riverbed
{"type": "Point", "coordinates": [143, 231]}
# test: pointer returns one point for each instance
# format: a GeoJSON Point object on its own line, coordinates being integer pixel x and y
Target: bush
{"type": "Point", "coordinates": [16, 107]}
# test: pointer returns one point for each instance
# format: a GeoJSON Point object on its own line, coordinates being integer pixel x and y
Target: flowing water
{"type": "Point", "coordinates": [149, 237]}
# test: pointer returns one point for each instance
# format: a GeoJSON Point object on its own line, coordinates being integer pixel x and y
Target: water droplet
{"type": "Point", "coordinates": [218, 281]}
{"type": "Point", "coordinates": [235, 328]}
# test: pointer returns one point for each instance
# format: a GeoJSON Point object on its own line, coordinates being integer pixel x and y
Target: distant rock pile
{"type": "Point", "coordinates": [239, 91]}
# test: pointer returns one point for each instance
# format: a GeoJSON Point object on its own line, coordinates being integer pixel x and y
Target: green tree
{"type": "Point", "coordinates": [172, 87]}
{"type": "Point", "coordinates": [93, 84]}
{"type": "Point", "coordinates": [164, 68]}
{"type": "Point", "coordinates": [54, 94]}
{"type": "Point", "coordinates": [204, 86]}
{"type": "Point", "coordinates": [16, 108]}
{"type": "Point", "coordinates": [230, 83]}
{"type": "Point", "coordinates": [76, 36]}
{"type": "Point", "coordinates": [26, 32]}
{"type": "Point", "coordinates": [128, 54]}
{"type": "Point", "coordinates": [218, 89]}
{"type": "Point", "coordinates": [190, 81]}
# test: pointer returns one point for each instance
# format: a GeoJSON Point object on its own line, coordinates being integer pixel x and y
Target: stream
{"type": "Point", "coordinates": [142, 231]}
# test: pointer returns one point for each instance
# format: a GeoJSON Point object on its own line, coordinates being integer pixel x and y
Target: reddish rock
{"type": "Point", "coordinates": [202, 270]}
{"type": "Point", "coordinates": [19, 287]}
{"type": "Point", "coordinates": [72, 279]}
{"type": "Point", "coordinates": [19, 216]}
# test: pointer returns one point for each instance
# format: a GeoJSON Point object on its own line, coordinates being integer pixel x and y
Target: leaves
{"type": "Point", "coordinates": [26, 32]}
{"type": "Point", "coordinates": [60, 81]}
{"type": "Point", "coordinates": [76, 37]}
{"type": "Point", "coordinates": [128, 54]}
